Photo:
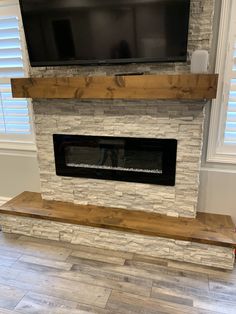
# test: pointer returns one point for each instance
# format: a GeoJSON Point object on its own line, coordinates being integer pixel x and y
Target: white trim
{"type": "Point", "coordinates": [213, 139]}
{"type": "Point", "coordinates": [222, 170]}
{"type": "Point", "coordinates": [4, 3]}
{"type": "Point", "coordinates": [221, 158]}
{"type": "Point", "coordinates": [18, 148]}
{"type": "Point", "coordinates": [18, 153]}
{"type": "Point", "coordinates": [4, 199]}
{"type": "Point", "coordinates": [215, 151]}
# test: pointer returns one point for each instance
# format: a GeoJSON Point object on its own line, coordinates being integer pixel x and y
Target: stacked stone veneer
{"type": "Point", "coordinates": [180, 120]}
{"type": "Point", "coordinates": [202, 254]}
{"type": "Point", "coordinates": [121, 118]}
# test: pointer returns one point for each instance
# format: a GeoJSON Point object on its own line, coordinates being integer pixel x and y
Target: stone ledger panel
{"type": "Point", "coordinates": [180, 121]}
{"type": "Point", "coordinates": [202, 254]}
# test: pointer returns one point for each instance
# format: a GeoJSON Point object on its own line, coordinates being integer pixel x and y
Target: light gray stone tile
{"type": "Point", "coordinates": [202, 254]}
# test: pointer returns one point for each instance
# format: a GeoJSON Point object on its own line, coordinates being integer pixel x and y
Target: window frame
{"type": "Point", "coordinates": [17, 142]}
{"type": "Point", "coordinates": [217, 151]}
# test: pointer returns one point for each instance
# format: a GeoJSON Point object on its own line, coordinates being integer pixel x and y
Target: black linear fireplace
{"type": "Point", "coordinates": [142, 160]}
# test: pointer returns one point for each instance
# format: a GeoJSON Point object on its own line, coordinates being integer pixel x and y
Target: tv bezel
{"type": "Point", "coordinates": [103, 62]}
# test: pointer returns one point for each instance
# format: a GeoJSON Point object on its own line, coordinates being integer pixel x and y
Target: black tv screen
{"type": "Point", "coordinates": [61, 32]}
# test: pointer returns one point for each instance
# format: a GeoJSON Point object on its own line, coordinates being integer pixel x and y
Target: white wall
{"type": "Point", "coordinates": [17, 174]}
{"type": "Point", "coordinates": [217, 193]}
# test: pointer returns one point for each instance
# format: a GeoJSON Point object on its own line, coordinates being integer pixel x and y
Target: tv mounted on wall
{"type": "Point", "coordinates": [64, 32]}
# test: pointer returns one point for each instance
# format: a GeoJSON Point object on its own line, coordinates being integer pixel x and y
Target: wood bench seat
{"type": "Point", "coordinates": [207, 228]}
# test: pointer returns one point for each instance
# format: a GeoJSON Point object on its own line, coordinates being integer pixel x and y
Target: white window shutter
{"type": "Point", "coordinates": [11, 63]}
{"type": "Point", "coordinates": [230, 81]}
{"type": "Point", "coordinates": [15, 118]}
{"type": "Point", "coordinates": [14, 113]}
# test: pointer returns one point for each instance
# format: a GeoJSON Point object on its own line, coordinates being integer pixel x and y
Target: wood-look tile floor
{"type": "Point", "coordinates": [47, 277]}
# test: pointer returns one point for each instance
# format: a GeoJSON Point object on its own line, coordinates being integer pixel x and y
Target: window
{"type": "Point", "coordinates": [230, 125]}
{"type": "Point", "coordinates": [15, 118]}
{"type": "Point", "coordinates": [222, 135]}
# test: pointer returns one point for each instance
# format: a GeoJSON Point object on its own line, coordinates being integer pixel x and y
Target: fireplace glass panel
{"type": "Point", "coordinates": [141, 160]}
{"type": "Point", "coordinates": [115, 155]}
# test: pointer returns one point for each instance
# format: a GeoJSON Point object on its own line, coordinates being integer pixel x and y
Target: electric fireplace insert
{"type": "Point", "coordinates": [141, 160]}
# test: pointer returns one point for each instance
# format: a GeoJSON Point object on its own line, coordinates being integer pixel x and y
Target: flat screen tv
{"type": "Point", "coordinates": [64, 32]}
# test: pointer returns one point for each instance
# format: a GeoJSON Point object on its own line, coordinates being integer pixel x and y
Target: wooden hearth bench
{"type": "Point", "coordinates": [209, 239]}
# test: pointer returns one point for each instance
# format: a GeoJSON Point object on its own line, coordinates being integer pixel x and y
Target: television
{"type": "Point", "coordinates": [67, 32]}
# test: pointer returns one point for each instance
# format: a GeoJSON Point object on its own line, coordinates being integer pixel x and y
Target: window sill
{"type": "Point", "coordinates": [27, 149]}
{"type": "Point", "coordinates": [221, 157]}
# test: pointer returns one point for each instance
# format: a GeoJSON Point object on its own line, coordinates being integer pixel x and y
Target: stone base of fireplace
{"type": "Point", "coordinates": [202, 254]}
{"type": "Point", "coordinates": [210, 240]}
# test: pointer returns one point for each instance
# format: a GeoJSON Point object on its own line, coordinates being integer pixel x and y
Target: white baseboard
{"type": "Point", "coordinates": [4, 200]}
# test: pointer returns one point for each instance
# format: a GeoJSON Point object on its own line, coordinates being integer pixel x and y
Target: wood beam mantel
{"type": "Point", "coordinates": [176, 87]}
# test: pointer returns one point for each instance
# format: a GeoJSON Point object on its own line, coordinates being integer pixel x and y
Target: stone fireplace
{"type": "Point", "coordinates": [154, 120]}
{"type": "Point", "coordinates": [131, 160]}
{"type": "Point", "coordinates": [181, 122]}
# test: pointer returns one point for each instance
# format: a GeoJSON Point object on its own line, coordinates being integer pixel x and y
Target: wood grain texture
{"type": "Point", "coordinates": [8, 258]}
{"type": "Point", "coordinates": [99, 257]}
{"type": "Point", "coordinates": [10, 296]}
{"type": "Point", "coordinates": [181, 86]}
{"type": "Point", "coordinates": [38, 303]}
{"type": "Point", "coordinates": [142, 285]}
{"type": "Point", "coordinates": [36, 249]}
{"type": "Point", "coordinates": [44, 262]}
{"type": "Point", "coordinates": [206, 228]}
{"type": "Point", "coordinates": [62, 288]}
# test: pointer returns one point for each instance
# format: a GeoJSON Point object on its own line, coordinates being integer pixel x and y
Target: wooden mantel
{"type": "Point", "coordinates": [207, 228]}
{"type": "Point", "coordinates": [176, 87]}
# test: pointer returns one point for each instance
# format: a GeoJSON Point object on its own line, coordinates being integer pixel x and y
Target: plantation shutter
{"type": "Point", "coordinates": [230, 93]}
{"type": "Point", "coordinates": [15, 121]}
